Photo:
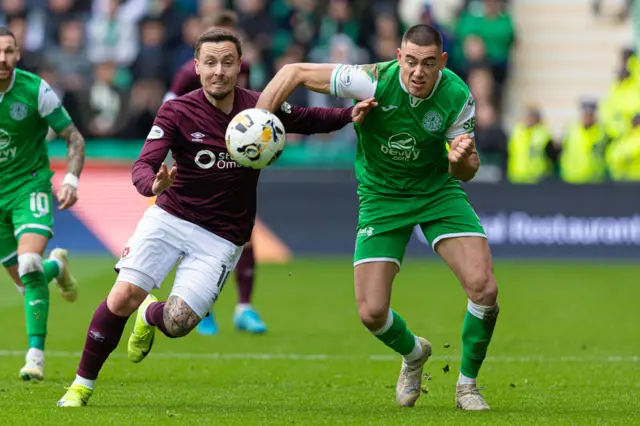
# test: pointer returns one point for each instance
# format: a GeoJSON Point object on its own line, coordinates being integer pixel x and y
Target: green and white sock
{"type": "Point", "coordinates": [477, 330]}
{"type": "Point", "coordinates": [398, 337]}
{"type": "Point", "coordinates": [36, 299]}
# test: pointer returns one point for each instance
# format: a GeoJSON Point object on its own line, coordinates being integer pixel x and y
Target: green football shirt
{"type": "Point", "coordinates": [402, 144]}
{"type": "Point", "coordinates": [27, 109]}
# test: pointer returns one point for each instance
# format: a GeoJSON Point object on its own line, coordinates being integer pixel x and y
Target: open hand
{"type": "Point", "coordinates": [67, 196]}
{"type": "Point", "coordinates": [164, 179]}
{"type": "Point", "coordinates": [461, 148]}
{"type": "Point", "coordinates": [361, 110]}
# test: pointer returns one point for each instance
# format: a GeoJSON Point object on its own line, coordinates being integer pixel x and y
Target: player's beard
{"type": "Point", "coordinates": [218, 96]}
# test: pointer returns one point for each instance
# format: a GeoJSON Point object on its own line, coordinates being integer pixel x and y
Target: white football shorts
{"type": "Point", "coordinates": [160, 241]}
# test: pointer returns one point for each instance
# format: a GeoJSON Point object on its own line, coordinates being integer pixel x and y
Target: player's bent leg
{"type": "Point", "coordinates": [65, 282]}
{"type": "Point", "coordinates": [104, 333]}
{"type": "Point", "coordinates": [245, 317]}
{"type": "Point", "coordinates": [470, 260]}
{"type": "Point", "coordinates": [373, 282]}
{"type": "Point", "coordinates": [36, 301]}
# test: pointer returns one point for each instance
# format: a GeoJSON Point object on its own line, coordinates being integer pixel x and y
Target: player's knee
{"type": "Point", "coordinates": [482, 288]}
{"type": "Point", "coordinates": [180, 318]}
{"type": "Point", "coordinates": [28, 263]}
{"type": "Point", "coordinates": [372, 315]}
{"type": "Point", "coordinates": [124, 298]}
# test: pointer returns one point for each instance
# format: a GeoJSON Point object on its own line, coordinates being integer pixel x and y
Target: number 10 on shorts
{"type": "Point", "coordinates": [39, 204]}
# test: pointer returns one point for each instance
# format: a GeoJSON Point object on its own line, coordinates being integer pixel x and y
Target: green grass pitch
{"type": "Point", "coordinates": [566, 350]}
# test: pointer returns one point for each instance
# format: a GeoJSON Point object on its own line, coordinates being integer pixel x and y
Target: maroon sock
{"type": "Point", "coordinates": [244, 275]}
{"type": "Point", "coordinates": [103, 337]}
{"type": "Point", "coordinates": [155, 317]}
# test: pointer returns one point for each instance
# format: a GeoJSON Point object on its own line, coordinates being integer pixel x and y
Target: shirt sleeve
{"type": "Point", "coordinates": [354, 81]}
{"type": "Point", "coordinates": [155, 149]}
{"type": "Point", "coordinates": [51, 110]}
{"type": "Point", "coordinates": [465, 122]}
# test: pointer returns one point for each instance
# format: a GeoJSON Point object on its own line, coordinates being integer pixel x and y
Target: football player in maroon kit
{"type": "Point", "coordinates": [245, 316]}
{"type": "Point", "coordinates": [204, 212]}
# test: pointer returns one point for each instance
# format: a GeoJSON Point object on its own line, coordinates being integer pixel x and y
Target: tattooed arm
{"type": "Point", "coordinates": [56, 116]}
{"type": "Point", "coordinates": [179, 319]}
{"type": "Point", "coordinates": [67, 195]}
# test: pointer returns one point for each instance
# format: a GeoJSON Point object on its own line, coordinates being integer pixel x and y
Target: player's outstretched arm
{"type": "Point", "coordinates": [346, 81]}
{"type": "Point", "coordinates": [150, 175]}
{"type": "Point", "coordinates": [67, 195]}
{"type": "Point", "coordinates": [309, 121]}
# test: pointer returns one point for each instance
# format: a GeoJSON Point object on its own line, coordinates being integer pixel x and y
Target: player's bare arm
{"type": "Point", "coordinates": [315, 77]}
{"type": "Point", "coordinates": [463, 158]}
{"type": "Point", "coordinates": [318, 78]}
{"type": "Point", "coordinates": [179, 318]}
{"type": "Point", "coordinates": [67, 195]}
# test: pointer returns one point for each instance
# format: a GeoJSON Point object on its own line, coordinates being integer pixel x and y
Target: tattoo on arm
{"type": "Point", "coordinates": [75, 144]}
{"type": "Point", "coordinates": [179, 318]}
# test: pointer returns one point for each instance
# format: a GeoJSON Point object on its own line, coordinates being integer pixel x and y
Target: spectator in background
{"type": "Point", "coordinates": [152, 61]}
{"type": "Point", "coordinates": [491, 140]}
{"type": "Point", "coordinates": [145, 99]}
{"type": "Point", "coordinates": [583, 145]}
{"type": "Point", "coordinates": [623, 155]}
{"type": "Point", "coordinates": [191, 29]}
{"type": "Point", "coordinates": [58, 13]}
{"type": "Point", "coordinates": [339, 19]}
{"type": "Point", "coordinates": [172, 19]}
{"type": "Point", "coordinates": [256, 22]}
{"type": "Point", "coordinates": [621, 103]}
{"type": "Point", "coordinates": [29, 60]}
{"type": "Point", "coordinates": [531, 153]}
{"type": "Point", "coordinates": [112, 36]}
{"type": "Point", "coordinates": [495, 27]}
{"type": "Point", "coordinates": [386, 39]}
{"type": "Point", "coordinates": [33, 19]}
{"type": "Point", "coordinates": [105, 101]}
{"type": "Point", "coordinates": [70, 57]}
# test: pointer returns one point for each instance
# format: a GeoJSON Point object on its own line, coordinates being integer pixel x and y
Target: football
{"type": "Point", "coordinates": [255, 138]}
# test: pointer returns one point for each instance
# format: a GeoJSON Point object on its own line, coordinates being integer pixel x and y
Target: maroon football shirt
{"type": "Point", "coordinates": [211, 189]}
{"type": "Point", "coordinates": [186, 80]}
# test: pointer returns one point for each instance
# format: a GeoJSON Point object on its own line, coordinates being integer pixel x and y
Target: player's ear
{"type": "Point", "coordinates": [444, 58]}
{"type": "Point", "coordinates": [196, 64]}
{"type": "Point", "coordinates": [399, 54]}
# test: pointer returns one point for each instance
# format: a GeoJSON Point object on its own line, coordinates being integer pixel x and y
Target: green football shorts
{"type": "Point", "coordinates": [27, 211]}
{"type": "Point", "coordinates": [385, 223]}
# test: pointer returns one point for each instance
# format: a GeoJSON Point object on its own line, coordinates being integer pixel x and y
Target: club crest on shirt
{"type": "Point", "coordinates": [18, 111]}
{"type": "Point", "coordinates": [432, 121]}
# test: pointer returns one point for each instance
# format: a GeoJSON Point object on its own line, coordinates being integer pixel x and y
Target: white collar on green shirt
{"type": "Point", "coordinates": [415, 101]}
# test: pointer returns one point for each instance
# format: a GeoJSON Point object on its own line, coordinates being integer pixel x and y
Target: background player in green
{"type": "Point", "coordinates": [28, 107]}
{"type": "Point", "coordinates": [407, 178]}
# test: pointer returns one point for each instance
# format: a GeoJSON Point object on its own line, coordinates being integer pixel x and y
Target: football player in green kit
{"type": "Point", "coordinates": [413, 149]}
{"type": "Point", "coordinates": [28, 107]}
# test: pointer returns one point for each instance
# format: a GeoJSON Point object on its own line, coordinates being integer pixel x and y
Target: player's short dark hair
{"type": "Point", "coordinates": [4, 31]}
{"type": "Point", "coordinates": [224, 18]}
{"type": "Point", "coordinates": [218, 36]}
{"type": "Point", "coordinates": [423, 35]}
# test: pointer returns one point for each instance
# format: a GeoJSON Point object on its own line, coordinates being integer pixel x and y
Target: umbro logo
{"type": "Point", "coordinates": [389, 108]}
{"type": "Point", "coordinates": [197, 137]}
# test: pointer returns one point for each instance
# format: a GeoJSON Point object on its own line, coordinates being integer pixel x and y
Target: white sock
{"type": "Point", "coordinates": [241, 307]}
{"type": "Point", "coordinates": [416, 353]}
{"type": "Point", "coordinates": [464, 380]}
{"type": "Point", "coordinates": [20, 289]}
{"type": "Point", "coordinates": [35, 353]}
{"type": "Point", "coordinates": [480, 311]}
{"type": "Point", "coordinates": [84, 382]}
{"type": "Point", "coordinates": [60, 266]}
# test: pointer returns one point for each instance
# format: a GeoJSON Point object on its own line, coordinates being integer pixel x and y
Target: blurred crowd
{"type": "Point", "coordinates": [602, 145]}
{"type": "Point", "coordinates": [111, 61]}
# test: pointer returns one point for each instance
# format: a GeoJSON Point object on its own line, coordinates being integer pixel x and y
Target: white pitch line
{"type": "Point", "coordinates": [327, 357]}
